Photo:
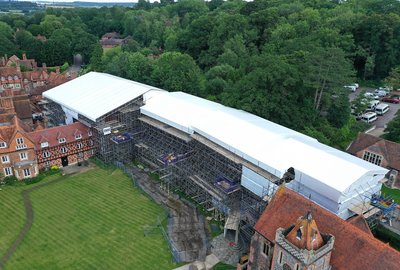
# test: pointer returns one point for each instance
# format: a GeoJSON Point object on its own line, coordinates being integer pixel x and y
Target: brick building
{"type": "Point", "coordinates": [319, 240]}
{"type": "Point", "coordinates": [380, 152]}
{"type": "Point", "coordinates": [17, 152]}
{"type": "Point", "coordinates": [62, 145]}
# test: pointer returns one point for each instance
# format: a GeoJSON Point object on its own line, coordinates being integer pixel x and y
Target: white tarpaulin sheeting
{"type": "Point", "coordinates": [270, 146]}
{"type": "Point", "coordinates": [96, 94]}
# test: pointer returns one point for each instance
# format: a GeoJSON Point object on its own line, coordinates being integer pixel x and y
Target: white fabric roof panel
{"type": "Point", "coordinates": [96, 94]}
{"type": "Point", "coordinates": [261, 142]}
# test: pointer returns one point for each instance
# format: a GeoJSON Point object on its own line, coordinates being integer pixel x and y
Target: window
{"type": "Point", "coordinates": [27, 172]}
{"type": "Point", "coordinates": [79, 145]}
{"type": "Point", "coordinates": [78, 136]}
{"type": "Point", "coordinates": [63, 150]}
{"type": "Point", "coordinates": [296, 266]}
{"type": "Point", "coordinates": [23, 155]}
{"type": "Point", "coordinates": [286, 267]}
{"type": "Point", "coordinates": [44, 144]}
{"type": "Point", "coordinates": [46, 154]}
{"type": "Point", "coordinates": [91, 143]}
{"type": "Point", "coordinates": [280, 256]}
{"type": "Point", "coordinates": [61, 140]}
{"type": "Point", "coordinates": [298, 234]}
{"type": "Point", "coordinates": [8, 171]}
{"type": "Point", "coordinates": [80, 155]}
{"type": "Point", "coordinates": [20, 140]}
{"type": "Point", "coordinates": [266, 249]}
{"type": "Point", "coordinates": [5, 159]}
{"type": "Point", "coordinates": [3, 145]}
{"type": "Point", "coordinates": [47, 164]}
{"type": "Point", "coordinates": [373, 158]}
{"type": "Point", "coordinates": [90, 133]}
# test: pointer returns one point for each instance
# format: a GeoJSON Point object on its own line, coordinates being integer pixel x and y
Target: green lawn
{"type": "Point", "coordinates": [394, 193]}
{"type": "Point", "coordinates": [92, 220]}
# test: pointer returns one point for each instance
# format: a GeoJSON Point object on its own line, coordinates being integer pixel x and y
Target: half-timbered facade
{"type": "Point", "coordinates": [63, 145]}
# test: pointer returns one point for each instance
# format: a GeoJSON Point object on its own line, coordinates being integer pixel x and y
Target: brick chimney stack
{"type": "Point", "coordinates": [57, 70]}
{"type": "Point", "coordinates": [24, 56]}
{"type": "Point", "coordinates": [44, 67]}
{"type": "Point", "coordinates": [18, 67]}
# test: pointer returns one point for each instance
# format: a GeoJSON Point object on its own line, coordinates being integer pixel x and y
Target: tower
{"type": "Point", "coordinates": [302, 247]}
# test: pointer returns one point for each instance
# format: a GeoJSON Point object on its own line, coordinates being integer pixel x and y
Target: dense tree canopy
{"type": "Point", "coordinates": [284, 60]}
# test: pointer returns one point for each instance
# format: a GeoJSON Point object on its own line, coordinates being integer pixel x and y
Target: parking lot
{"type": "Point", "coordinates": [382, 121]}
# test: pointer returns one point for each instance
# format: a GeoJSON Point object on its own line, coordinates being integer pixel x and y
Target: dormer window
{"type": "Point", "coordinates": [61, 140]}
{"type": "Point", "coordinates": [89, 133]}
{"type": "Point", "coordinates": [3, 145]}
{"type": "Point", "coordinates": [44, 144]}
{"type": "Point", "coordinates": [299, 234]}
{"type": "Point", "coordinates": [78, 136]}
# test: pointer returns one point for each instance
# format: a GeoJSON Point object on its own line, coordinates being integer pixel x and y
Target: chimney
{"type": "Point", "coordinates": [24, 56]}
{"type": "Point", "coordinates": [57, 70]}
{"type": "Point", "coordinates": [6, 57]}
{"type": "Point", "coordinates": [3, 61]}
{"type": "Point", "coordinates": [44, 67]}
{"type": "Point", "coordinates": [18, 67]}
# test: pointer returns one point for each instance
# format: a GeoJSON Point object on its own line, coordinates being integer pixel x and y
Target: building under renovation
{"type": "Point", "coordinates": [227, 160]}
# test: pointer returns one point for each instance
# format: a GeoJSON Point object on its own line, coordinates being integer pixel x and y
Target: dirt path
{"type": "Point", "coordinates": [29, 216]}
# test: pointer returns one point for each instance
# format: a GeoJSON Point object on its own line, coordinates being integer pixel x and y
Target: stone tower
{"type": "Point", "coordinates": [302, 247]}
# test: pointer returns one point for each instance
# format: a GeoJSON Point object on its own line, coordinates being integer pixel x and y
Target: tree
{"type": "Point", "coordinates": [326, 69]}
{"type": "Point", "coordinates": [176, 71]}
{"type": "Point", "coordinates": [393, 79]}
{"type": "Point", "coordinates": [392, 131]}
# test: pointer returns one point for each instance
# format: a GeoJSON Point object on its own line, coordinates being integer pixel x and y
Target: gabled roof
{"type": "Point", "coordinates": [389, 149]}
{"type": "Point", "coordinates": [353, 247]}
{"type": "Point", "coordinates": [51, 135]}
{"type": "Point", "coordinates": [96, 94]}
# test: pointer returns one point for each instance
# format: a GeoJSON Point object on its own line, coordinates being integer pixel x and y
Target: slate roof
{"type": "Point", "coordinates": [353, 248]}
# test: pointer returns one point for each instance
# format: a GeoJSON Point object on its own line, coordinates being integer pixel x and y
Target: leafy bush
{"type": "Point", "coordinates": [9, 181]}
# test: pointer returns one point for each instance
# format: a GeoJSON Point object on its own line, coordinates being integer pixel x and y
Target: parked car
{"type": "Point", "coordinates": [382, 108]}
{"type": "Point", "coordinates": [371, 95]}
{"type": "Point", "coordinates": [351, 87]}
{"type": "Point", "coordinates": [381, 92]}
{"type": "Point", "coordinates": [369, 117]}
{"type": "Point", "coordinates": [391, 99]}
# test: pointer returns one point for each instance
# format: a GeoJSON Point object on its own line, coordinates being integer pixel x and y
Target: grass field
{"type": "Point", "coordinates": [393, 193]}
{"type": "Point", "coordinates": [92, 220]}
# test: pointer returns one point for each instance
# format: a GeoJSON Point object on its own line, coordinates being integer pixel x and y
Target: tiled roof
{"type": "Point", "coordinates": [353, 247]}
{"type": "Point", "coordinates": [51, 135]}
{"type": "Point", "coordinates": [305, 234]}
{"type": "Point", "coordinates": [360, 223]}
{"type": "Point", "coordinates": [7, 131]}
{"type": "Point", "coordinates": [23, 109]}
{"type": "Point", "coordinates": [390, 149]}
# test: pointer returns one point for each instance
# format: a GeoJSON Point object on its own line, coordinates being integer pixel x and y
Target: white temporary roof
{"type": "Point", "coordinates": [264, 143]}
{"type": "Point", "coordinates": [96, 94]}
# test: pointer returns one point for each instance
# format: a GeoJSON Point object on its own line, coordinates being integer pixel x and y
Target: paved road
{"type": "Point", "coordinates": [384, 119]}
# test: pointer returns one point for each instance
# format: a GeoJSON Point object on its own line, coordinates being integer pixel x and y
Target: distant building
{"type": "Point", "coordinates": [63, 145]}
{"type": "Point", "coordinates": [318, 240]}
{"type": "Point", "coordinates": [16, 149]}
{"type": "Point", "coordinates": [113, 39]}
{"type": "Point", "coordinates": [380, 152]}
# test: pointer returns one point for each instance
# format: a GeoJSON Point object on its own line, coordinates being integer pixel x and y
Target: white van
{"type": "Point", "coordinates": [372, 105]}
{"type": "Point", "coordinates": [369, 117]}
{"type": "Point", "coordinates": [382, 108]}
